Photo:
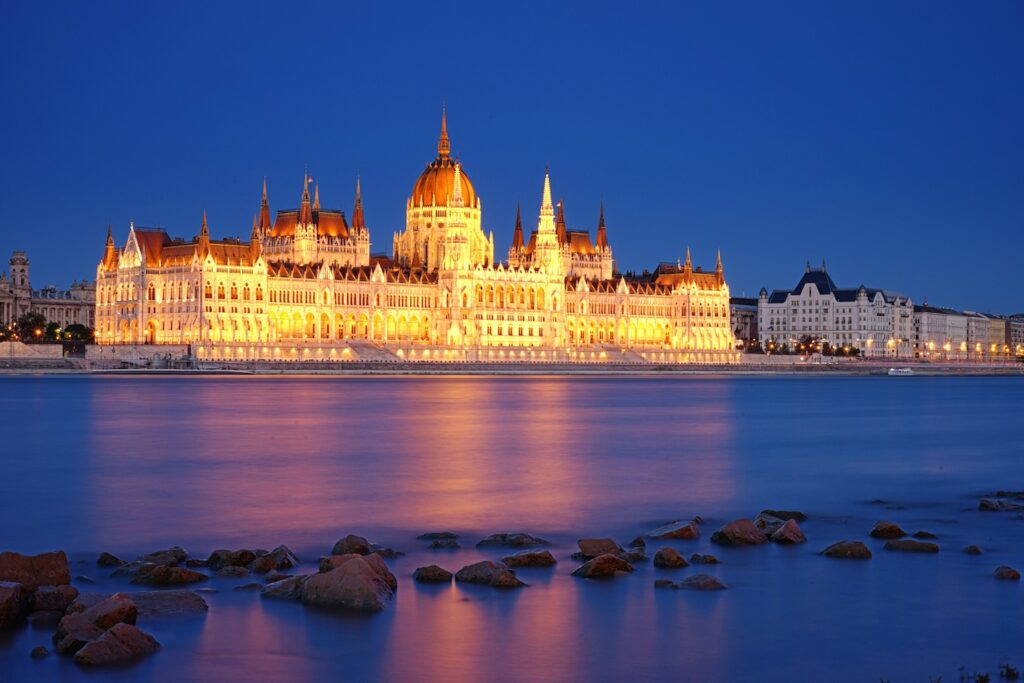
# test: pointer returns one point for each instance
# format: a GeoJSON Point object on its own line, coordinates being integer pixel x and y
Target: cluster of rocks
{"type": "Point", "coordinates": [778, 526]}
{"type": "Point", "coordinates": [441, 540]}
{"type": "Point", "coordinates": [175, 567]}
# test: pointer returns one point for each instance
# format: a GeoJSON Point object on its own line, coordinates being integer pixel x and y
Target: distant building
{"type": "Point", "coordinates": [939, 333]}
{"type": "Point", "coordinates": [743, 311]}
{"type": "Point", "coordinates": [75, 305]}
{"type": "Point", "coordinates": [877, 322]}
{"type": "Point", "coordinates": [986, 336]}
{"type": "Point", "coordinates": [1015, 334]}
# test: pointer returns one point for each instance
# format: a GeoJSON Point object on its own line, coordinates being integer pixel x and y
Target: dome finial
{"type": "Point", "coordinates": [444, 146]}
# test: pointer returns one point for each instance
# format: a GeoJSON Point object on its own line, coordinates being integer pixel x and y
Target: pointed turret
{"type": "Point", "coordinates": [517, 234]}
{"type": "Point", "coordinates": [264, 225]}
{"type": "Point", "coordinates": [602, 234]}
{"type": "Point", "coordinates": [316, 199]}
{"type": "Point", "coordinates": [444, 147]}
{"type": "Point", "coordinates": [456, 199]}
{"type": "Point", "coordinates": [203, 243]}
{"type": "Point", "coordinates": [718, 262]}
{"type": "Point", "coordinates": [255, 238]}
{"type": "Point", "coordinates": [545, 202]}
{"type": "Point", "coordinates": [358, 222]}
{"type": "Point", "coordinates": [110, 251]}
{"type": "Point", "coordinates": [563, 235]}
{"type": "Point", "coordinates": [688, 264]}
{"type": "Point", "coordinates": [306, 213]}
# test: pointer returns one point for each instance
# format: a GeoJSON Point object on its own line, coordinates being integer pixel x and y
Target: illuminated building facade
{"type": "Point", "coordinates": [73, 306]}
{"type": "Point", "coordinates": [305, 287]}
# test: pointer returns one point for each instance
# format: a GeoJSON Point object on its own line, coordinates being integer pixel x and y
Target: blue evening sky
{"type": "Point", "coordinates": [885, 137]}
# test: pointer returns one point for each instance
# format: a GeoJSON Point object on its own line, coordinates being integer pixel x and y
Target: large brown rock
{"type": "Point", "coordinates": [74, 631]}
{"type": "Point", "coordinates": [886, 529]}
{"type": "Point", "coordinates": [121, 643]}
{"type": "Point", "coordinates": [116, 609]}
{"type": "Point", "coordinates": [15, 602]}
{"type": "Point", "coordinates": [54, 597]}
{"type": "Point", "coordinates": [33, 571]}
{"type": "Point", "coordinates": [511, 540]}
{"type": "Point", "coordinates": [669, 558]}
{"type": "Point", "coordinates": [230, 558]}
{"type": "Point", "coordinates": [1006, 573]}
{"type": "Point", "coordinates": [530, 558]}
{"type": "Point", "coordinates": [285, 589]}
{"type": "Point", "coordinates": [847, 550]}
{"type": "Point", "coordinates": [739, 532]}
{"type": "Point", "coordinates": [789, 534]}
{"type": "Point", "coordinates": [911, 546]}
{"type": "Point", "coordinates": [592, 547]}
{"type": "Point", "coordinates": [432, 574]}
{"type": "Point", "coordinates": [163, 575]}
{"type": "Point", "coordinates": [480, 572]}
{"type": "Point", "coordinates": [107, 560]}
{"type": "Point", "coordinates": [171, 557]}
{"type": "Point", "coordinates": [768, 524]}
{"type": "Point", "coordinates": [676, 530]}
{"type": "Point", "coordinates": [280, 557]}
{"type": "Point", "coordinates": [352, 544]}
{"type": "Point", "coordinates": [603, 567]}
{"type": "Point", "coordinates": [358, 583]}
{"type": "Point", "coordinates": [697, 558]}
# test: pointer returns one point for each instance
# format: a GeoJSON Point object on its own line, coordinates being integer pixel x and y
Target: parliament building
{"type": "Point", "coordinates": [307, 287]}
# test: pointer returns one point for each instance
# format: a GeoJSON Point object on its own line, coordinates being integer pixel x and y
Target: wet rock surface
{"type": "Point", "coordinates": [697, 558]}
{"type": "Point", "coordinates": [669, 558]}
{"type": "Point", "coordinates": [121, 643]}
{"type": "Point", "coordinates": [972, 550]}
{"type": "Point", "coordinates": [74, 631]}
{"type": "Point", "coordinates": [15, 601]}
{"type": "Point", "coordinates": [33, 571]}
{"type": "Point", "coordinates": [171, 557]}
{"type": "Point", "coordinates": [432, 574]}
{"type": "Point", "coordinates": [357, 582]}
{"type": "Point", "coordinates": [786, 515]}
{"type": "Point", "coordinates": [116, 609]}
{"type": "Point", "coordinates": [740, 532]}
{"type": "Point", "coordinates": [107, 560]}
{"type": "Point", "coordinates": [1005, 573]}
{"type": "Point", "coordinates": [221, 558]}
{"type": "Point", "coordinates": [592, 547]}
{"type": "Point", "coordinates": [789, 534]}
{"type": "Point", "coordinates": [54, 597]}
{"type": "Point", "coordinates": [885, 529]}
{"type": "Point", "coordinates": [511, 540]}
{"type": "Point", "coordinates": [285, 589]}
{"type": "Point", "coordinates": [847, 550]}
{"type": "Point", "coordinates": [683, 530]}
{"type": "Point", "coordinates": [603, 567]}
{"type": "Point", "coordinates": [163, 575]}
{"type": "Point", "coordinates": [495, 574]}
{"type": "Point", "coordinates": [530, 558]}
{"type": "Point", "coordinates": [358, 545]}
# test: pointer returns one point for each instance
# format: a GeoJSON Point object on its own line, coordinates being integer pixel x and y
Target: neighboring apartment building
{"type": "Point", "coordinates": [939, 333]}
{"type": "Point", "coordinates": [75, 305]}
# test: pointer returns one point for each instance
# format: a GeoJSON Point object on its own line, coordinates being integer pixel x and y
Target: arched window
{"type": "Point", "coordinates": [234, 291]}
{"type": "Point", "coordinates": [152, 292]}
{"type": "Point", "coordinates": [259, 293]}
{"type": "Point", "coordinates": [246, 293]}
{"type": "Point", "coordinates": [220, 290]}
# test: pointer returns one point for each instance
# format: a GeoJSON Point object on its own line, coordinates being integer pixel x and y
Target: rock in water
{"type": "Point", "coordinates": [701, 582]}
{"type": "Point", "coordinates": [786, 515]}
{"type": "Point", "coordinates": [603, 567]}
{"type": "Point", "coordinates": [972, 550]}
{"type": "Point", "coordinates": [162, 575]}
{"type": "Point", "coordinates": [886, 529]}
{"type": "Point", "coordinates": [847, 550]}
{"type": "Point", "coordinates": [513, 540]}
{"type": "Point", "coordinates": [768, 524]}
{"type": "Point", "coordinates": [638, 542]}
{"type": "Point", "coordinates": [438, 536]}
{"type": "Point", "coordinates": [15, 600]}
{"type": "Point", "coordinates": [121, 643]}
{"type": "Point", "coordinates": [171, 557]}
{"type": "Point", "coordinates": [168, 603]}
{"type": "Point", "coordinates": [444, 544]}
{"type": "Point", "coordinates": [669, 558]}
{"type": "Point", "coordinates": [358, 583]}
{"type": "Point", "coordinates": [1006, 573]}
{"type": "Point", "coordinates": [909, 546]}
{"type": "Point", "coordinates": [925, 535]}
{"type": "Point", "coordinates": [74, 631]}
{"type": "Point", "coordinates": [676, 530]}
{"type": "Point", "coordinates": [990, 505]}
{"type": "Point", "coordinates": [789, 533]}
{"type": "Point", "coordinates": [432, 574]}
{"type": "Point", "coordinates": [45, 618]}
{"type": "Point", "coordinates": [739, 532]}
{"type": "Point", "coordinates": [233, 572]}
{"type": "Point", "coordinates": [54, 597]}
{"type": "Point", "coordinates": [285, 589]}
{"type": "Point", "coordinates": [38, 652]}
{"type": "Point", "coordinates": [697, 558]}
{"type": "Point", "coordinates": [480, 572]}
{"type": "Point", "coordinates": [230, 558]}
{"type": "Point", "coordinates": [116, 609]}
{"type": "Point", "coordinates": [108, 560]}
{"type": "Point", "coordinates": [351, 544]}
{"type": "Point", "coordinates": [530, 558]}
{"type": "Point", "coordinates": [592, 547]}
{"type": "Point", "coordinates": [33, 571]}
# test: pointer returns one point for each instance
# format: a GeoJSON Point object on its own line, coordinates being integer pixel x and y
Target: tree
{"type": "Point", "coordinates": [52, 332]}
{"type": "Point", "coordinates": [30, 326]}
{"type": "Point", "coordinates": [78, 332]}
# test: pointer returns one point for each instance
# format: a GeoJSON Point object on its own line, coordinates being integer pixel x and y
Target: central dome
{"type": "Point", "coordinates": [436, 185]}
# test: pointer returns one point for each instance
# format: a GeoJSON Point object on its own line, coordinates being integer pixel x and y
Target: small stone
{"type": "Point", "coordinates": [121, 643]}
{"type": "Point", "coordinates": [676, 530]}
{"type": "Point", "coordinates": [511, 540]}
{"type": "Point", "coordinates": [669, 558]}
{"type": "Point", "coordinates": [972, 550]}
{"type": "Point", "coordinates": [33, 571]}
{"type": "Point", "coordinates": [701, 582]}
{"type": "Point", "coordinates": [107, 560]}
{"type": "Point", "coordinates": [232, 572]}
{"type": "Point", "coordinates": [925, 535]}
{"type": "Point", "coordinates": [438, 536]}
{"type": "Point", "coordinates": [886, 529]}
{"type": "Point", "coordinates": [54, 597]}
{"type": "Point", "coordinates": [1005, 573]}
{"type": "Point", "coordinates": [697, 558]}
{"type": "Point", "coordinates": [739, 532]}
{"type": "Point", "coordinates": [444, 544]}
{"type": "Point", "coordinates": [603, 567]}
{"type": "Point", "coordinates": [530, 558]}
{"type": "Point", "coordinates": [789, 533]}
{"type": "Point", "coordinates": [638, 542]}
{"type": "Point", "coordinates": [847, 550]}
{"type": "Point", "coordinates": [909, 546]}
{"type": "Point", "coordinates": [432, 574]}
{"type": "Point", "coordinates": [38, 652]}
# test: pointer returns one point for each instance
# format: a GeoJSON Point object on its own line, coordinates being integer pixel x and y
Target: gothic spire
{"type": "Point", "coordinates": [358, 221]}
{"type": "Point", "coordinates": [457, 190]}
{"type": "Point", "coordinates": [204, 231]}
{"type": "Point", "coordinates": [316, 198]}
{"type": "Point", "coordinates": [517, 235]}
{"type": "Point", "coordinates": [602, 234]}
{"type": "Point", "coordinates": [718, 263]}
{"type": "Point", "coordinates": [305, 213]}
{"type": "Point", "coordinates": [110, 235]}
{"type": "Point", "coordinates": [264, 225]}
{"type": "Point", "coordinates": [563, 236]}
{"type": "Point", "coordinates": [688, 264]}
{"type": "Point", "coordinates": [444, 147]}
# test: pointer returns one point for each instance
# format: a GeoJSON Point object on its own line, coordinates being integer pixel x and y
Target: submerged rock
{"type": "Point", "coordinates": [438, 536]}
{"type": "Point", "coordinates": [149, 603]}
{"type": "Point", "coordinates": [432, 574]}
{"type": "Point", "coordinates": [676, 530]}
{"type": "Point", "coordinates": [603, 567]}
{"type": "Point", "coordinates": [701, 582]}
{"type": "Point", "coordinates": [359, 582]}
{"type": "Point", "coordinates": [163, 575]}
{"type": "Point", "coordinates": [910, 546]}
{"type": "Point", "coordinates": [739, 532]}
{"type": "Point", "coordinates": [638, 542]}
{"type": "Point", "coordinates": [886, 529]}
{"type": "Point", "coordinates": [768, 524]}
{"type": "Point", "coordinates": [530, 558]}
{"type": "Point", "coordinates": [121, 643]}
{"type": "Point", "coordinates": [232, 572]}
{"type": "Point", "coordinates": [847, 550]}
{"type": "Point", "coordinates": [633, 555]}
{"type": "Point", "coordinates": [786, 515]}
{"type": "Point", "coordinates": [972, 550]}
{"type": "Point", "coordinates": [669, 558]}
{"type": "Point", "coordinates": [697, 558]}
{"type": "Point", "coordinates": [15, 601]}
{"type": "Point", "coordinates": [511, 540]}
{"type": "Point", "coordinates": [925, 535]}
{"type": "Point", "coordinates": [990, 505]}
{"type": "Point", "coordinates": [789, 533]}
{"type": "Point", "coordinates": [107, 560]}
{"type": "Point", "coordinates": [45, 618]}
{"type": "Point", "coordinates": [444, 544]}
{"type": "Point", "coordinates": [38, 652]}
{"type": "Point", "coordinates": [1005, 573]}
{"type": "Point", "coordinates": [33, 571]}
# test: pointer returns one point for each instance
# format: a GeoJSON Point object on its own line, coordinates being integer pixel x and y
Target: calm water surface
{"type": "Point", "coordinates": [130, 465]}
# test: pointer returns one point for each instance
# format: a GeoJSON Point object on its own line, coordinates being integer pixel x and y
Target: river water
{"type": "Point", "coordinates": [134, 464]}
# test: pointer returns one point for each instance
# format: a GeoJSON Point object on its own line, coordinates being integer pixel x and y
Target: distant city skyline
{"type": "Point", "coordinates": [885, 140]}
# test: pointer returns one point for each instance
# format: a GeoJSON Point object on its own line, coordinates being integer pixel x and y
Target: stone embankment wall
{"type": "Point", "coordinates": [18, 350]}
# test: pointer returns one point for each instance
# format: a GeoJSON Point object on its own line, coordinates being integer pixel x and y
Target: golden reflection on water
{"type": "Point", "coordinates": [272, 459]}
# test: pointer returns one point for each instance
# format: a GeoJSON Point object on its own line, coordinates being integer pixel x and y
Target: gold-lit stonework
{"type": "Point", "coordinates": [305, 287]}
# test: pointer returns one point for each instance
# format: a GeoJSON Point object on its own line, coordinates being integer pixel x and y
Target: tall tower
{"type": "Point", "coordinates": [19, 272]}
{"type": "Point", "coordinates": [546, 254]}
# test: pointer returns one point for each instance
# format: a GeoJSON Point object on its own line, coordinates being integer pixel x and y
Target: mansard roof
{"type": "Point", "coordinates": [328, 222]}
{"type": "Point", "coordinates": [824, 284]}
{"type": "Point", "coordinates": [159, 250]}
